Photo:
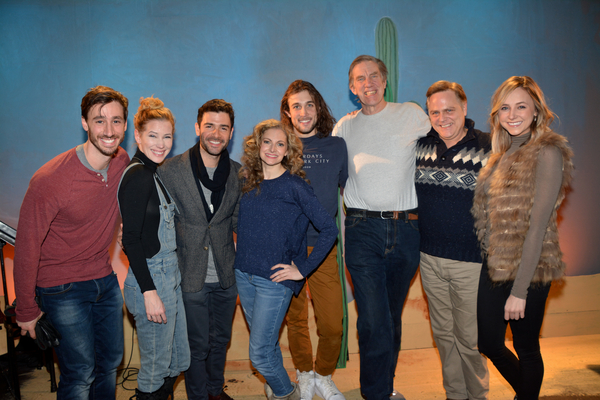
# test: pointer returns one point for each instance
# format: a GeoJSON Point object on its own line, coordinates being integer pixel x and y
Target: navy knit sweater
{"type": "Point", "coordinates": [272, 228]}
{"type": "Point", "coordinates": [445, 181]}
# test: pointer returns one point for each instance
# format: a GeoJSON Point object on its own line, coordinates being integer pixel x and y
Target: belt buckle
{"type": "Point", "coordinates": [395, 214]}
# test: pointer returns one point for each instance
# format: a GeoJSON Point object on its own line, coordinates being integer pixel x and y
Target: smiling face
{"type": "Point", "coordinates": [156, 139]}
{"type": "Point", "coordinates": [447, 115]}
{"type": "Point", "coordinates": [517, 112]}
{"type": "Point", "coordinates": [215, 132]}
{"type": "Point", "coordinates": [105, 125]}
{"type": "Point", "coordinates": [303, 114]}
{"type": "Point", "coordinates": [368, 84]}
{"type": "Point", "coordinates": [273, 148]}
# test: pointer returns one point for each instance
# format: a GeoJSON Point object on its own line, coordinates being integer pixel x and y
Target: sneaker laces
{"type": "Point", "coordinates": [328, 386]}
{"type": "Point", "coordinates": [304, 378]}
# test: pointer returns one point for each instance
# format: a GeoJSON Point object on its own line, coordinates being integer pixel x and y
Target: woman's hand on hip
{"type": "Point", "coordinates": [155, 309]}
{"type": "Point", "coordinates": [286, 272]}
{"type": "Point", "coordinates": [514, 308]}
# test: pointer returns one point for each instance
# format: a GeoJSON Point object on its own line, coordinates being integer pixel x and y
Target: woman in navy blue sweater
{"type": "Point", "coordinates": [271, 261]}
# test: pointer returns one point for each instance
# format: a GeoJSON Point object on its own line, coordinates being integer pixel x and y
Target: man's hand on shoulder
{"type": "Point", "coordinates": [353, 113]}
{"type": "Point", "coordinates": [29, 327]}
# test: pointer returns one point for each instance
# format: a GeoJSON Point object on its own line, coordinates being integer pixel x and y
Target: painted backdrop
{"type": "Point", "coordinates": [248, 51]}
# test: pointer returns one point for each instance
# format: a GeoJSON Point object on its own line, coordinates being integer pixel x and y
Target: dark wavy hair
{"type": "Point", "coordinates": [217, 106]}
{"type": "Point", "coordinates": [325, 121]}
{"type": "Point", "coordinates": [102, 95]}
{"type": "Point", "coordinates": [252, 171]}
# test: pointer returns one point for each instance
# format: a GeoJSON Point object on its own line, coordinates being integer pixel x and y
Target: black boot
{"type": "Point", "coordinates": [166, 390]}
{"type": "Point", "coordinates": [139, 395]}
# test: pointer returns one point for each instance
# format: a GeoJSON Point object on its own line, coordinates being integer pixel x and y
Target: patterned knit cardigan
{"type": "Point", "coordinates": [506, 209]}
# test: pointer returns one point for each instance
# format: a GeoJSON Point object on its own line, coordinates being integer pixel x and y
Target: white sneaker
{"type": "Point", "coordinates": [306, 382]}
{"type": "Point", "coordinates": [397, 396]}
{"type": "Point", "coordinates": [325, 388]}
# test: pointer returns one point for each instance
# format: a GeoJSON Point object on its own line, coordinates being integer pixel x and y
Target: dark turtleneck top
{"type": "Point", "coordinates": [139, 204]}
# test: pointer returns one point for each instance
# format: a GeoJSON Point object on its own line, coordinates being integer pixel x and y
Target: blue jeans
{"type": "Point", "coordinates": [209, 314]}
{"type": "Point", "coordinates": [382, 257]}
{"type": "Point", "coordinates": [164, 348]}
{"type": "Point", "coordinates": [265, 304]}
{"type": "Point", "coordinates": [89, 316]}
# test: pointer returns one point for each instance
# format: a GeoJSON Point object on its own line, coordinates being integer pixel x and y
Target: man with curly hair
{"type": "Point", "coordinates": [326, 165]}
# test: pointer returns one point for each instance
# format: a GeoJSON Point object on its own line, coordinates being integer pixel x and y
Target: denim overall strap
{"type": "Point", "coordinates": [166, 228]}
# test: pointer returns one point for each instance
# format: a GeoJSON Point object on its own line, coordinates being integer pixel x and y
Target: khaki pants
{"type": "Point", "coordinates": [451, 288]}
{"type": "Point", "coordinates": [326, 294]}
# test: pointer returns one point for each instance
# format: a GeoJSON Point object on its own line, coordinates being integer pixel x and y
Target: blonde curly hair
{"type": "Point", "coordinates": [252, 170]}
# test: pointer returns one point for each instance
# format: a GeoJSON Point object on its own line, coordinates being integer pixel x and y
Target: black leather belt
{"type": "Point", "coordinates": [405, 215]}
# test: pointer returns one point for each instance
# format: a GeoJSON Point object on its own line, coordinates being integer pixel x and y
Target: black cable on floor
{"type": "Point", "coordinates": [129, 373]}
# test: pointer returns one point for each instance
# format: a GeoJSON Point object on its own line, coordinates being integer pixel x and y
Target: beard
{"type": "Point", "coordinates": [307, 130]}
{"type": "Point", "coordinates": [95, 140]}
{"type": "Point", "coordinates": [209, 149]}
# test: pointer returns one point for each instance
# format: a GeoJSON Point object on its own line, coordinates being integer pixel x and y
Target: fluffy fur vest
{"type": "Point", "coordinates": [506, 207]}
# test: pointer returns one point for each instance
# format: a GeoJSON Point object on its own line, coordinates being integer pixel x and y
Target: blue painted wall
{"type": "Point", "coordinates": [247, 52]}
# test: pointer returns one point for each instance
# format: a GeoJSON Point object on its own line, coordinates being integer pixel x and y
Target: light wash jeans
{"type": "Point", "coordinates": [89, 317]}
{"type": "Point", "coordinates": [164, 348]}
{"type": "Point", "coordinates": [265, 304]}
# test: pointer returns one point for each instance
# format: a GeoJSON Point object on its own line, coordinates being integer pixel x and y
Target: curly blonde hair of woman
{"type": "Point", "coordinates": [501, 139]}
{"type": "Point", "coordinates": [252, 168]}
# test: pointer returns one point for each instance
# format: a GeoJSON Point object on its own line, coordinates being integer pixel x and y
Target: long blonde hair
{"type": "Point", "coordinates": [501, 139]}
{"type": "Point", "coordinates": [252, 171]}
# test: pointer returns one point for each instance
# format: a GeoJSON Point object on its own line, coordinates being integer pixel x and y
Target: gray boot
{"type": "Point", "coordinates": [294, 395]}
{"type": "Point", "coordinates": [268, 391]}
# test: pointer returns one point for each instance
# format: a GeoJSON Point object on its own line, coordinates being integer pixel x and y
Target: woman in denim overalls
{"type": "Point", "coordinates": [152, 287]}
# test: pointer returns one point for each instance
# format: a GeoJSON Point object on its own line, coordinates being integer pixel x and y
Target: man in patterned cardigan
{"type": "Point", "coordinates": [448, 161]}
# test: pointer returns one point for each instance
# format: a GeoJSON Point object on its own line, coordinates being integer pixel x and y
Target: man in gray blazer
{"type": "Point", "coordinates": [204, 184]}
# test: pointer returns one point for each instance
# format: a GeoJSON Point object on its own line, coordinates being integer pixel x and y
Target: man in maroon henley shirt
{"type": "Point", "coordinates": [66, 226]}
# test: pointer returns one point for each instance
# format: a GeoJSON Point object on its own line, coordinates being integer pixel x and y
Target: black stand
{"type": "Point", "coordinates": [8, 236]}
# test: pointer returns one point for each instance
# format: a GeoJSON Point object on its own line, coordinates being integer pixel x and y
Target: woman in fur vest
{"type": "Point", "coordinates": [517, 196]}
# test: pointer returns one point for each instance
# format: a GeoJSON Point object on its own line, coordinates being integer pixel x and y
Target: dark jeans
{"type": "Point", "coordinates": [89, 316]}
{"type": "Point", "coordinates": [524, 374]}
{"type": "Point", "coordinates": [209, 315]}
{"type": "Point", "coordinates": [382, 257]}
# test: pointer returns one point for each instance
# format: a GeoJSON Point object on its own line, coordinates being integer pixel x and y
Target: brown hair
{"type": "Point", "coordinates": [325, 121]}
{"type": "Point", "coordinates": [501, 139]}
{"type": "Point", "coordinates": [382, 68]}
{"type": "Point", "coordinates": [152, 108]}
{"type": "Point", "coordinates": [442, 86]}
{"type": "Point", "coordinates": [252, 170]}
{"type": "Point", "coordinates": [102, 95]}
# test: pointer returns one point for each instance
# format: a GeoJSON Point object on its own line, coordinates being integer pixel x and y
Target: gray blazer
{"type": "Point", "coordinates": [194, 234]}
